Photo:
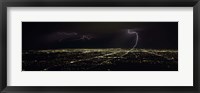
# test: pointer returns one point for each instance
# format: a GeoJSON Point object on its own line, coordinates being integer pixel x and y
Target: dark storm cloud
{"type": "Point", "coordinates": [48, 35]}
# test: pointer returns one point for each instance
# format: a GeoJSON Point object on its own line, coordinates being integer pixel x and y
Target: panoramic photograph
{"type": "Point", "coordinates": [99, 46]}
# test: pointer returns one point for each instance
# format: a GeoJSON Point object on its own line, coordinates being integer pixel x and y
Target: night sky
{"type": "Point", "coordinates": [56, 35]}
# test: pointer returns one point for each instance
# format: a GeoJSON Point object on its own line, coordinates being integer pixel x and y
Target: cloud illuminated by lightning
{"type": "Point", "coordinates": [70, 36]}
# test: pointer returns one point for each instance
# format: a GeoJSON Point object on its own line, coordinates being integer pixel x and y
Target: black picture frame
{"type": "Point", "coordinates": [98, 3]}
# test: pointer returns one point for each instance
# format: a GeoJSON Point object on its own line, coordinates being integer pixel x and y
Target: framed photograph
{"type": "Point", "coordinates": [135, 46]}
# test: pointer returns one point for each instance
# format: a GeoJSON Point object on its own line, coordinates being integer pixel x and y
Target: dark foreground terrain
{"type": "Point", "coordinates": [111, 59]}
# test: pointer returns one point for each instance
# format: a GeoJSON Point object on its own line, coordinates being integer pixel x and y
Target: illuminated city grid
{"type": "Point", "coordinates": [109, 59]}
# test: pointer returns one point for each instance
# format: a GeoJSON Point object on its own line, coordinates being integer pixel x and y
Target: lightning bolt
{"type": "Point", "coordinates": [133, 32]}
{"type": "Point", "coordinates": [130, 31]}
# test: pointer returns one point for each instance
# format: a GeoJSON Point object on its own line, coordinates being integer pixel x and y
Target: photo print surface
{"type": "Point", "coordinates": [99, 46]}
